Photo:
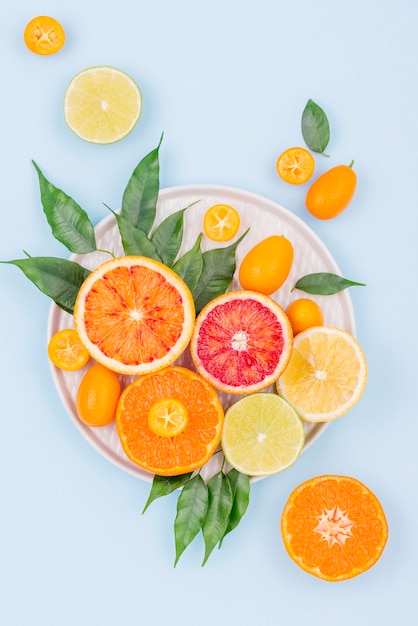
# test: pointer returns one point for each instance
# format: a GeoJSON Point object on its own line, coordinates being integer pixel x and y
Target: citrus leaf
{"type": "Point", "coordinates": [191, 511]}
{"type": "Point", "coordinates": [164, 485]}
{"type": "Point", "coordinates": [140, 197]}
{"type": "Point", "coordinates": [189, 266]}
{"type": "Point", "coordinates": [168, 236]}
{"type": "Point", "coordinates": [217, 272]}
{"type": "Point", "coordinates": [134, 240]}
{"type": "Point", "coordinates": [69, 223]}
{"type": "Point", "coordinates": [324, 283]}
{"type": "Point", "coordinates": [57, 278]}
{"type": "Point", "coordinates": [240, 485]}
{"type": "Point", "coordinates": [219, 509]}
{"type": "Point", "coordinates": [315, 127]}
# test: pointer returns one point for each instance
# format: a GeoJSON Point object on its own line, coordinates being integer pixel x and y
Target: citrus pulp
{"type": "Point", "coordinates": [169, 422]}
{"type": "Point", "coordinates": [334, 527]}
{"type": "Point", "coordinates": [262, 434]}
{"type": "Point", "coordinates": [241, 342]}
{"type": "Point", "coordinates": [102, 104]}
{"type": "Point", "coordinates": [134, 315]}
{"type": "Point", "coordinates": [326, 374]}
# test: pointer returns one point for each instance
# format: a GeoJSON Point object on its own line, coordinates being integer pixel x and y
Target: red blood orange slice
{"type": "Point", "coordinates": [242, 342]}
{"type": "Point", "coordinates": [134, 315]}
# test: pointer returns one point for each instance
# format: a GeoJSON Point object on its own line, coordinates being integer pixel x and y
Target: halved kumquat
{"type": "Point", "coordinates": [295, 165]}
{"type": "Point", "coordinates": [44, 35]}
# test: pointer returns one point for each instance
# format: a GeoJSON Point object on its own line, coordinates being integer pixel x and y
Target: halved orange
{"type": "Point", "coordinates": [169, 422]}
{"type": "Point", "coordinates": [295, 165]}
{"type": "Point", "coordinates": [242, 342]}
{"type": "Point", "coordinates": [134, 315]}
{"type": "Point", "coordinates": [334, 527]}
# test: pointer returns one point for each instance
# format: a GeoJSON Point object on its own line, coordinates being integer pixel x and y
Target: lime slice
{"type": "Point", "coordinates": [102, 104]}
{"type": "Point", "coordinates": [262, 434]}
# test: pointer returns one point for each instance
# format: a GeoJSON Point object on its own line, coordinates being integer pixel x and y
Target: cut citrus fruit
{"type": "Point", "coordinates": [169, 422]}
{"type": "Point", "coordinates": [304, 313]}
{"type": "Point", "coordinates": [44, 35]}
{"type": "Point", "coordinates": [326, 374]}
{"type": "Point", "coordinates": [334, 527]}
{"type": "Point", "coordinates": [102, 104]}
{"type": "Point", "coordinates": [241, 342]}
{"type": "Point", "coordinates": [66, 351]}
{"type": "Point", "coordinates": [97, 396]}
{"type": "Point", "coordinates": [221, 222]}
{"type": "Point", "coordinates": [134, 315]}
{"type": "Point", "coordinates": [262, 434]}
{"type": "Point", "coordinates": [295, 165]}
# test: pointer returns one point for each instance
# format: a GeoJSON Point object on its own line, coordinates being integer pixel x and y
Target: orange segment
{"type": "Point", "coordinates": [66, 351]}
{"type": "Point", "coordinates": [221, 222]}
{"type": "Point", "coordinates": [295, 165]}
{"type": "Point", "coordinates": [151, 399]}
{"type": "Point", "coordinates": [134, 315]}
{"type": "Point", "coordinates": [44, 35]}
{"type": "Point", "coordinates": [241, 342]}
{"type": "Point", "coordinates": [334, 527]}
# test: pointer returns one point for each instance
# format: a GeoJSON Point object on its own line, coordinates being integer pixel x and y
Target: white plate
{"type": "Point", "coordinates": [264, 218]}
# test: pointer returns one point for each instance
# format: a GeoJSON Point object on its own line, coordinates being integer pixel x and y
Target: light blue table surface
{"type": "Point", "coordinates": [226, 81]}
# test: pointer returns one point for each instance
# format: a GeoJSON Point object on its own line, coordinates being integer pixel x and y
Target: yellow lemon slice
{"type": "Point", "coordinates": [326, 374]}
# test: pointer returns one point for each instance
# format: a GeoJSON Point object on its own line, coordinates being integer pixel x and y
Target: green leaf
{"type": "Point", "coordinates": [57, 278]}
{"type": "Point", "coordinates": [134, 240]}
{"type": "Point", "coordinates": [189, 266]}
{"type": "Point", "coordinates": [324, 283]}
{"type": "Point", "coordinates": [219, 509]}
{"type": "Point", "coordinates": [168, 236]}
{"type": "Point", "coordinates": [164, 485]}
{"type": "Point", "coordinates": [315, 127]}
{"type": "Point", "coordinates": [218, 270]}
{"type": "Point", "coordinates": [140, 197]}
{"type": "Point", "coordinates": [191, 511]}
{"type": "Point", "coordinates": [69, 223]}
{"type": "Point", "coordinates": [240, 485]}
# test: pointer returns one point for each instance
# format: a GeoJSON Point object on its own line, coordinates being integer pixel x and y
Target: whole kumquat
{"type": "Point", "coordinates": [98, 396]}
{"type": "Point", "coordinates": [304, 313]}
{"type": "Point", "coordinates": [332, 192]}
{"type": "Point", "coordinates": [267, 265]}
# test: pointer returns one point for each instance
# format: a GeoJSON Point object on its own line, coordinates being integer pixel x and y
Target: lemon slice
{"type": "Point", "coordinates": [262, 434]}
{"type": "Point", "coordinates": [326, 374]}
{"type": "Point", "coordinates": [102, 104]}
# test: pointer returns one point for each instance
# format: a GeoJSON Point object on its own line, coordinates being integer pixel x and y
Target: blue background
{"type": "Point", "coordinates": [226, 81]}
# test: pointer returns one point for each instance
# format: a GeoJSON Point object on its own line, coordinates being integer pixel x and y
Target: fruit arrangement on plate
{"type": "Point", "coordinates": [201, 368]}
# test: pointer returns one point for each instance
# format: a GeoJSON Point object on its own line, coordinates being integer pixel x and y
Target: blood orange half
{"type": "Point", "coordinates": [242, 342]}
{"type": "Point", "coordinates": [134, 315]}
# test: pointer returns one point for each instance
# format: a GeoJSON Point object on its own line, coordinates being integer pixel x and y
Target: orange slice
{"type": "Point", "coordinates": [66, 351]}
{"type": "Point", "coordinates": [134, 315]}
{"type": "Point", "coordinates": [334, 527]}
{"type": "Point", "coordinates": [169, 422]}
{"type": "Point", "coordinates": [241, 342]}
{"type": "Point", "coordinates": [295, 165]}
{"type": "Point", "coordinates": [221, 222]}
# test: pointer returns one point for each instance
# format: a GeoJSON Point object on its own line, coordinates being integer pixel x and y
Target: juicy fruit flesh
{"type": "Point", "coordinates": [240, 343]}
{"type": "Point", "coordinates": [102, 104]}
{"type": "Point", "coordinates": [334, 527]}
{"type": "Point", "coordinates": [123, 319]}
{"type": "Point", "coordinates": [221, 222]}
{"type": "Point", "coordinates": [193, 445]}
{"type": "Point", "coordinates": [326, 374]}
{"type": "Point", "coordinates": [262, 434]}
{"type": "Point", "coordinates": [44, 35]}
